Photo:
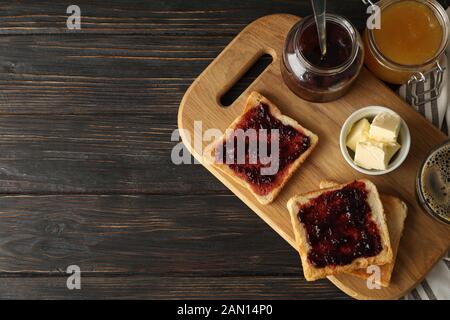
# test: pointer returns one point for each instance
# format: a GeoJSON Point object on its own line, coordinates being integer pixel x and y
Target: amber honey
{"type": "Point", "coordinates": [410, 33]}
{"type": "Point", "coordinates": [410, 38]}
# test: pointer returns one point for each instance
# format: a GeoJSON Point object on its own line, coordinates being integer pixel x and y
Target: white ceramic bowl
{"type": "Point", "coordinates": [404, 138]}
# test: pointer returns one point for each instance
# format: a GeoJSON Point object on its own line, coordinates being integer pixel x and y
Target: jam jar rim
{"type": "Point", "coordinates": [344, 23]}
{"type": "Point", "coordinates": [419, 192]}
{"type": "Point", "coordinates": [441, 16]}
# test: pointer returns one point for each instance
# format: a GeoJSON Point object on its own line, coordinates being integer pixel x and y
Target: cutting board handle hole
{"type": "Point", "coordinates": [246, 80]}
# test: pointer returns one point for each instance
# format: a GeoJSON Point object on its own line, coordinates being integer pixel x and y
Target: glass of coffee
{"type": "Point", "coordinates": [433, 183]}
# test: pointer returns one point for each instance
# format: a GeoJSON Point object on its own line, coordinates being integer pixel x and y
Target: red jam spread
{"type": "Point", "coordinates": [292, 143]}
{"type": "Point", "coordinates": [339, 46]}
{"type": "Point", "coordinates": [339, 227]}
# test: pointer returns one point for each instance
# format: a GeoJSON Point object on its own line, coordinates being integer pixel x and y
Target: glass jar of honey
{"type": "Point", "coordinates": [319, 78]}
{"type": "Point", "coordinates": [411, 37]}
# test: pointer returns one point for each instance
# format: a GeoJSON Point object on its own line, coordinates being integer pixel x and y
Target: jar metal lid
{"type": "Point", "coordinates": [433, 183]}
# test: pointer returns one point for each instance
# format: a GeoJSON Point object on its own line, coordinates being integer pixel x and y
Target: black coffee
{"type": "Point", "coordinates": [434, 182]}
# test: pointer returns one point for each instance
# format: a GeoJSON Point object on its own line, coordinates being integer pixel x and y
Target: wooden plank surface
{"type": "Point", "coordinates": [168, 287]}
{"type": "Point", "coordinates": [80, 112]}
{"type": "Point", "coordinates": [425, 240]}
{"type": "Point", "coordinates": [91, 73]}
{"type": "Point", "coordinates": [95, 154]}
{"type": "Point", "coordinates": [160, 234]}
{"type": "Point", "coordinates": [177, 17]}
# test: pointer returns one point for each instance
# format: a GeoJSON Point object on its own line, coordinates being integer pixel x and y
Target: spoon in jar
{"type": "Point", "coordinates": [319, 8]}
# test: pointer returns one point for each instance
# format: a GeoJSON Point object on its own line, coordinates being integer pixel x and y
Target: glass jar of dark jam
{"type": "Point", "coordinates": [319, 78]}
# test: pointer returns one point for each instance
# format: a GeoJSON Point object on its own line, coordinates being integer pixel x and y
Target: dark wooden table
{"type": "Point", "coordinates": [86, 176]}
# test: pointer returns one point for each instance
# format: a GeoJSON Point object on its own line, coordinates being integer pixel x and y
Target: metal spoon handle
{"type": "Point", "coordinates": [319, 7]}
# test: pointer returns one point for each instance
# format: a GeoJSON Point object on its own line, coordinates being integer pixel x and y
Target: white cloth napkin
{"type": "Point", "coordinates": [437, 283]}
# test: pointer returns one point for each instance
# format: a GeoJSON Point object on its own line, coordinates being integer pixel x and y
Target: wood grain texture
{"type": "Point", "coordinates": [95, 154]}
{"type": "Point", "coordinates": [425, 240]}
{"type": "Point", "coordinates": [158, 235]}
{"type": "Point", "coordinates": [91, 74]}
{"type": "Point", "coordinates": [161, 287]}
{"type": "Point", "coordinates": [46, 69]}
{"type": "Point", "coordinates": [156, 17]}
{"type": "Point", "coordinates": [80, 112]}
{"type": "Point", "coordinates": [219, 17]}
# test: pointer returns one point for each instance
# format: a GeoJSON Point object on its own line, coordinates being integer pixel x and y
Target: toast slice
{"type": "Point", "coordinates": [340, 229]}
{"type": "Point", "coordinates": [295, 144]}
{"type": "Point", "coordinates": [396, 212]}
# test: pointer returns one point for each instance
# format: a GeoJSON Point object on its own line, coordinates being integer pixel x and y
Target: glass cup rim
{"type": "Point", "coordinates": [423, 203]}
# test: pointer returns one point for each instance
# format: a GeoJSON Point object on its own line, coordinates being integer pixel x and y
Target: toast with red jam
{"type": "Point", "coordinates": [396, 212]}
{"type": "Point", "coordinates": [340, 229]}
{"type": "Point", "coordinates": [295, 143]}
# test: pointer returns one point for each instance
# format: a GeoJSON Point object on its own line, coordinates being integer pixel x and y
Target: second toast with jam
{"type": "Point", "coordinates": [340, 229]}
{"type": "Point", "coordinates": [395, 212]}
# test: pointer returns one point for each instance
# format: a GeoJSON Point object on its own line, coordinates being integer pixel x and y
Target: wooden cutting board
{"type": "Point", "coordinates": [425, 240]}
